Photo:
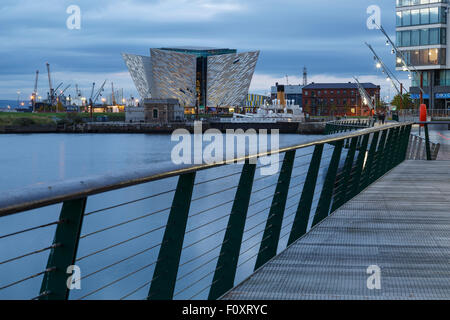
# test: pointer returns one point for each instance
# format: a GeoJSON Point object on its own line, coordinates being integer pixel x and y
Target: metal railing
{"type": "Point", "coordinates": [338, 126]}
{"type": "Point", "coordinates": [417, 148]}
{"type": "Point", "coordinates": [199, 230]}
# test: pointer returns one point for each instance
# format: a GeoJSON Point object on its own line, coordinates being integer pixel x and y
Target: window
{"type": "Point", "coordinates": [406, 38]}
{"type": "Point", "coordinates": [424, 39]}
{"type": "Point", "coordinates": [434, 36]}
{"type": "Point", "coordinates": [415, 17]}
{"type": "Point", "coordinates": [406, 18]}
{"type": "Point", "coordinates": [155, 113]}
{"type": "Point", "coordinates": [415, 37]}
{"type": "Point", "coordinates": [434, 15]}
{"type": "Point", "coordinates": [424, 16]}
{"type": "Point", "coordinates": [399, 18]}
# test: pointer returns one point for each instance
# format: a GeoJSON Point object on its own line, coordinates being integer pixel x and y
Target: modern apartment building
{"type": "Point", "coordinates": [422, 32]}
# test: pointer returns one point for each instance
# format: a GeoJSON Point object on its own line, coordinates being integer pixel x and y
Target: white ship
{"type": "Point", "coordinates": [273, 113]}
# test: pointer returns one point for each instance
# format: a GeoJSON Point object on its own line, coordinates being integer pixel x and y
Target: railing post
{"type": "Point", "coordinates": [407, 135]}
{"type": "Point", "coordinates": [357, 181]}
{"type": "Point", "coordinates": [341, 198]}
{"type": "Point", "coordinates": [229, 253]}
{"type": "Point", "coordinates": [369, 167]}
{"type": "Point", "coordinates": [54, 285]}
{"type": "Point", "coordinates": [427, 142]}
{"type": "Point", "coordinates": [166, 269]}
{"type": "Point", "coordinates": [382, 152]}
{"type": "Point", "coordinates": [269, 244]}
{"type": "Point", "coordinates": [323, 207]}
{"type": "Point", "coordinates": [301, 219]}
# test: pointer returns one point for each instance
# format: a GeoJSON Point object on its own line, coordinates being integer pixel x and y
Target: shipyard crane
{"type": "Point", "coordinates": [113, 97]}
{"type": "Point", "coordinates": [34, 95]}
{"type": "Point", "coordinates": [65, 89]}
{"type": "Point", "coordinates": [51, 93]}
{"type": "Point", "coordinates": [99, 93]}
{"type": "Point", "coordinates": [95, 97]}
{"type": "Point", "coordinates": [92, 91]}
{"type": "Point", "coordinates": [77, 91]}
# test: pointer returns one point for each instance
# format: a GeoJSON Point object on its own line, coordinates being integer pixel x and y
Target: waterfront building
{"type": "Point", "coordinates": [255, 101]}
{"type": "Point", "coordinates": [337, 98]}
{"type": "Point", "coordinates": [161, 111]}
{"type": "Point", "coordinates": [199, 78]}
{"type": "Point", "coordinates": [422, 31]}
{"type": "Point", "coordinates": [291, 92]}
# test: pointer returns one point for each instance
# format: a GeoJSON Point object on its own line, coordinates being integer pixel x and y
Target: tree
{"type": "Point", "coordinates": [407, 103]}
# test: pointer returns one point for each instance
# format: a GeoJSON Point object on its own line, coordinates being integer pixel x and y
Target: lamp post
{"type": "Point", "coordinates": [406, 67]}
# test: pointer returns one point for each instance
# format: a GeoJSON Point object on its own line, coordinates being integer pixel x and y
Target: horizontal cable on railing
{"type": "Point", "coordinates": [124, 223]}
{"type": "Point", "coordinates": [118, 280]}
{"type": "Point", "coordinates": [264, 188]}
{"type": "Point", "coordinates": [203, 254]}
{"type": "Point", "coordinates": [214, 193]}
{"type": "Point", "coordinates": [209, 209]}
{"type": "Point", "coordinates": [207, 237]}
{"type": "Point", "coordinates": [249, 259]}
{"type": "Point", "coordinates": [194, 283]}
{"type": "Point", "coordinates": [120, 261]}
{"type": "Point", "coordinates": [28, 278]}
{"type": "Point", "coordinates": [120, 243]}
{"type": "Point", "coordinates": [254, 245]}
{"type": "Point", "coordinates": [31, 253]}
{"type": "Point", "coordinates": [258, 212]}
{"type": "Point", "coordinates": [199, 267]}
{"type": "Point", "coordinates": [218, 178]}
{"type": "Point", "coordinates": [30, 229]}
{"type": "Point", "coordinates": [206, 224]}
{"type": "Point", "coordinates": [207, 287]}
{"type": "Point", "coordinates": [258, 224]}
{"type": "Point", "coordinates": [43, 294]}
{"type": "Point", "coordinates": [263, 199]}
{"type": "Point", "coordinates": [129, 202]}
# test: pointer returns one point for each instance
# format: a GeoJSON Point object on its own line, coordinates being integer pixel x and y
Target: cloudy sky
{"type": "Point", "coordinates": [326, 36]}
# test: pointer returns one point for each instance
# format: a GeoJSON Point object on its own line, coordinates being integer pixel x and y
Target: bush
{"type": "Point", "coordinates": [23, 122]}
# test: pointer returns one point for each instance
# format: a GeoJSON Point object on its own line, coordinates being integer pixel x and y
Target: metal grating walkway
{"type": "Point", "coordinates": [401, 223]}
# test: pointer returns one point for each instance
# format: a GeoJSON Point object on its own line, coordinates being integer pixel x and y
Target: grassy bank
{"type": "Point", "coordinates": [27, 119]}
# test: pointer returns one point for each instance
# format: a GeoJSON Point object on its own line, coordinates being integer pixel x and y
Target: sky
{"type": "Point", "coordinates": [326, 36]}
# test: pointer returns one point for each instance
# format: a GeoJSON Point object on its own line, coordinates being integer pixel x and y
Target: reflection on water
{"type": "Point", "coordinates": [119, 261]}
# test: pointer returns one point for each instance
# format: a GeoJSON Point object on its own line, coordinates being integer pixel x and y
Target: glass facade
{"type": "Point", "coordinates": [406, 3]}
{"type": "Point", "coordinates": [424, 57]}
{"type": "Point", "coordinates": [421, 37]}
{"type": "Point", "coordinates": [415, 81]}
{"type": "Point", "coordinates": [419, 17]}
{"type": "Point", "coordinates": [442, 78]}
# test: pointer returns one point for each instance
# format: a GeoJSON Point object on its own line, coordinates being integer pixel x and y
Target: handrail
{"type": "Point", "coordinates": [38, 196]}
{"type": "Point", "coordinates": [177, 219]}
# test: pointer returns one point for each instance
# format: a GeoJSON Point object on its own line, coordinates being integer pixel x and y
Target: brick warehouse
{"type": "Point", "coordinates": [338, 99]}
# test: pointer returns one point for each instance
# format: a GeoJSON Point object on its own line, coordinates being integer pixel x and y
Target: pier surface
{"type": "Point", "coordinates": [401, 224]}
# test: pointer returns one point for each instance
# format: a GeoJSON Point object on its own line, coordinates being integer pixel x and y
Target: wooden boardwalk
{"type": "Point", "coordinates": [401, 223]}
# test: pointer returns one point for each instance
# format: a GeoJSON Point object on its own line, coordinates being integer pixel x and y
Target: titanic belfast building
{"type": "Point", "coordinates": [196, 77]}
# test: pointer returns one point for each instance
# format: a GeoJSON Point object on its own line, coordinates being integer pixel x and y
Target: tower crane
{"type": "Point", "coordinates": [34, 95]}
{"type": "Point", "coordinates": [113, 97]}
{"type": "Point", "coordinates": [51, 92]}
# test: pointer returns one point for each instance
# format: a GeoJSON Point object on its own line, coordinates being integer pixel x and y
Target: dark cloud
{"type": "Point", "coordinates": [325, 35]}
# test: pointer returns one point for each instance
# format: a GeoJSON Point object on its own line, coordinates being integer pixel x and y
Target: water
{"type": "Point", "coordinates": [40, 158]}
